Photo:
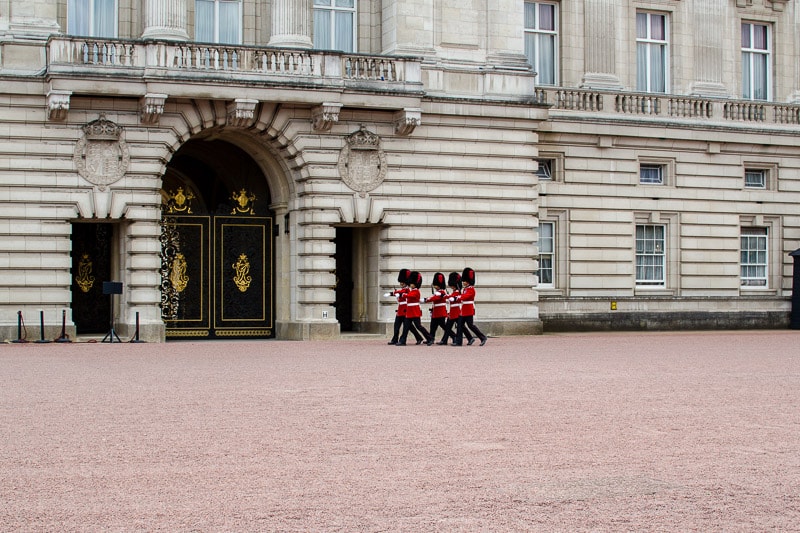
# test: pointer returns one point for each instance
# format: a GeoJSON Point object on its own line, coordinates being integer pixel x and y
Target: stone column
{"type": "Point", "coordinates": [407, 27]}
{"type": "Point", "coordinates": [600, 44]}
{"type": "Point", "coordinates": [504, 35]}
{"type": "Point", "coordinates": [291, 23]}
{"type": "Point", "coordinates": [29, 19]}
{"type": "Point", "coordinates": [710, 45]}
{"type": "Point", "coordinates": [165, 19]}
{"type": "Point", "coordinates": [795, 95]}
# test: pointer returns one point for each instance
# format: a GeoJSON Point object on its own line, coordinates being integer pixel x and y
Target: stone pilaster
{"type": "Point", "coordinates": [291, 23]}
{"type": "Point", "coordinates": [504, 37]}
{"type": "Point", "coordinates": [30, 18]}
{"type": "Point", "coordinates": [601, 23]}
{"type": "Point", "coordinates": [407, 28]}
{"type": "Point", "coordinates": [709, 48]}
{"type": "Point", "coordinates": [165, 19]}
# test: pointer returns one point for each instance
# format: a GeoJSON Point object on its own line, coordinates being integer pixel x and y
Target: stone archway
{"type": "Point", "coordinates": [217, 244]}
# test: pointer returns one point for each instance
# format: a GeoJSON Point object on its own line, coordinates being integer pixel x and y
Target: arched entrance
{"type": "Point", "coordinates": [217, 244]}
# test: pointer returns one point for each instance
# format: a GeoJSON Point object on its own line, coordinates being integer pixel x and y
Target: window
{"type": "Point", "coordinates": [651, 174]}
{"type": "Point", "coordinates": [754, 255]}
{"type": "Point", "coordinates": [218, 21]}
{"type": "Point", "coordinates": [545, 170]}
{"type": "Point", "coordinates": [651, 52]}
{"type": "Point", "coordinates": [546, 253]}
{"type": "Point", "coordinates": [541, 40]}
{"type": "Point", "coordinates": [755, 61]}
{"type": "Point", "coordinates": [650, 255]}
{"type": "Point", "coordinates": [92, 18]}
{"type": "Point", "coordinates": [335, 25]}
{"type": "Point", "coordinates": [755, 178]}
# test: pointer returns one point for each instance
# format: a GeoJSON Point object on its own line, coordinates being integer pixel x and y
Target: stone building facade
{"type": "Point", "coordinates": [263, 168]}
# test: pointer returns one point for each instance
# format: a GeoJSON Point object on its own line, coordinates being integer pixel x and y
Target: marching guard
{"type": "Point", "coordinates": [413, 311]}
{"type": "Point", "coordinates": [467, 299]}
{"type": "Point", "coordinates": [439, 308]}
{"type": "Point", "coordinates": [400, 316]}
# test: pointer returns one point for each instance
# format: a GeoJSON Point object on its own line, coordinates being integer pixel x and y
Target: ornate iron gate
{"type": "Point", "coordinates": [217, 276]}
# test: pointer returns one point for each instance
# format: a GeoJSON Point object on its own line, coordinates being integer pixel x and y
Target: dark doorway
{"type": "Point", "coordinates": [344, 278]}
{"type": "Point", "coordinates": [217, 244]}
{"type": "Point", "coordinates": [91, 266]}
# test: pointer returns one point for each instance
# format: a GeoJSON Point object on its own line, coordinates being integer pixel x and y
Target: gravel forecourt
{"type": "Point", "coordinates": [621, 431]}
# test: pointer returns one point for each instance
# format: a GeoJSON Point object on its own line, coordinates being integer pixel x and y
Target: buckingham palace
{"type": "Point", "coordinates": [264, 168]}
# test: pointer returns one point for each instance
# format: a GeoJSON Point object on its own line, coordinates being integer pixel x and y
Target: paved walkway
{"type": "Point", "coordinates": [574, 432]}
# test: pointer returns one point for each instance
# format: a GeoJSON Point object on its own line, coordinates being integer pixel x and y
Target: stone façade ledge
{"type": "Point", "coordinates": [664, 321]}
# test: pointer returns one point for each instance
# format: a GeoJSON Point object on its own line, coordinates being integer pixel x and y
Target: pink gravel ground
{"type": "Point", "coordinates": [573, 432]}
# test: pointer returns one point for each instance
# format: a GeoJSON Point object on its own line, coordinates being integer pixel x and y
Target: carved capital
{"type": "Point", "coordinates": [407, 120]}
{"type": "Point", "coordinates": [323, 116]}
{"type": "Point", "coordinates": [153, 107]}
{"type": "Point", "coordinates": [241, 112]}
{"type": "Point", "coordinates": [58, 104]}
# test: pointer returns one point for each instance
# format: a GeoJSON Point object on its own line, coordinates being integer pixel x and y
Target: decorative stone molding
{"type": "Point", "coordinates": [58, 104]}
{"type": "Point", "coordinates": [779, 5]}
{"type": "Point", "coordinates": [323, 116]}
{"type": "Point", "coordinates": [153, 107]}
{"type": "Point", "coordinates": [241, 112]}
{"type": "Point", "coordinates": [407, 120]}
{"type": "Point", "coordinates": [101, 155]}
{"type": "Point", "coordinates": [362, 162]}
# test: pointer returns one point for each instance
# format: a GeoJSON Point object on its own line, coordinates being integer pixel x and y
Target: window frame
{"type": "Point", "coordinates": [770, 171]}
{"type": "Point", "coordinates": [748, 85]}
{"type": "Point", "coordinates": [552, 255]}
{"type": "Point", "coordinates": [649, 43]}
{"type": "Point", "coordinates": [654, 282]}
{"type": "Point", "coordinates": [333, 9]}
{"type": "Point", "coordinates": [535, 58]}
{"type": "Point", "coordinates": [92, 11]}
{"type": "Point", "coordinates": [560, 220]}
{"type": "Point", "coordinates": [754, 234]}
{"type": "Point", "coordinates": [215, 38]}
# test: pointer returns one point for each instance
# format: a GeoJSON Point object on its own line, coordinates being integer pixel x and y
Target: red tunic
{"type": "Point", "coordinates": [413, 310]}
{"type": "Point", "coordinates": [401, 300]}
{"type": "Point", "coordinates": [467, 299]}
{"type": "Point", "coordinates": [455, 306]}
{"type": "Point", "coordinates": [439, 300]}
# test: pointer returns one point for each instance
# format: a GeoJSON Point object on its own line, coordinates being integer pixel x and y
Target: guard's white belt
{"type": "Point", "coordinates": [413, 304]}
{"type": "Point", "coordinates": [440, 305]}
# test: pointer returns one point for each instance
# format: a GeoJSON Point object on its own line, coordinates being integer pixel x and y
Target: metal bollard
{"type": "Point", "coordinates": [41, 328]}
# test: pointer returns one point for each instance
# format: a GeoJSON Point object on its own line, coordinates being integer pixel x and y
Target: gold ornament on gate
{"type": "Point", "coordinates": [84, 279]}
{"type": "Point", "coordinates": [244, 203]}
{"type": "Point", "coordinates": [242, 278]}
{"type": "Point", "coordinates": [177, 274]}
{"type": "Point", "coordinates": [179, 202]}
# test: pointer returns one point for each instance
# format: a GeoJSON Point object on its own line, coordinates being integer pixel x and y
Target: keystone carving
{"type": "Point", "coordinates": [153, 107]}
{"type": "Point", "coordinates": [407, 120]}
{"type": "Point", "coordinates": [323, 116]}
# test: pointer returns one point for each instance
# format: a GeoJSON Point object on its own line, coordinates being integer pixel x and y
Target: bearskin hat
{"type": "Point", "coordinates": [468, 275]}
{"type": "Point", "coordinates": [438, 280]}
{"type": "Point", "coordinates": [402, 277]}
{"type": "Point", "coordinates": [454, 280]}
{"type": "Point", "coordinates": [415, 278]}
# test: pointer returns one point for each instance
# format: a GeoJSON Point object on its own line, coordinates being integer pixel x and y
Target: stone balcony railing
{"type": "Point", "coordinates": [167, 59]}
{"type": "Point", "coordinates": [667, 106]}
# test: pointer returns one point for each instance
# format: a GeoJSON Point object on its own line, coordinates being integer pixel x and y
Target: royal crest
{"type": "Point", "coordinates": [101, 155]}
{"type": "Point", "coordinates": [362, 162]}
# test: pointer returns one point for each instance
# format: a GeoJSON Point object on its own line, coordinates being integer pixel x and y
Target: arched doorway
{"type": "Point", "coordinates": [217, 244]}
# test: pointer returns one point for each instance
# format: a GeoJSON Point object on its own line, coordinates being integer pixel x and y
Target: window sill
{"type": "Point", "coordinates": [653, 291]}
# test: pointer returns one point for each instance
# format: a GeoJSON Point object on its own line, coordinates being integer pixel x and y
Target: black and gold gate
{"type": "Point", "coordinates": [91, 266]}
{"type": "Point", "coordinates": [216, 276]}
{"type": "Point", "coordinates": [217, 244]}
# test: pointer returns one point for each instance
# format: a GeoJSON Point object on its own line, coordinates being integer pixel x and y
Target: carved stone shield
{"type": "Point", "coordinates": [101, 155]}
{"type": "Point", "coordinates": [362, 162]}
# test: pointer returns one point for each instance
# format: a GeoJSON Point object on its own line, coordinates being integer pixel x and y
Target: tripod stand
{"type": "Point", "coordinates": [111, 288]}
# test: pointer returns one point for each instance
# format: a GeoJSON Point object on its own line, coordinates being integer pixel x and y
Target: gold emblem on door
{"type": "Point", "coordinates": [242, 278]}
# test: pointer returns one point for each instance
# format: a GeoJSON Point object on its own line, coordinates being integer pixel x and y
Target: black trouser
{"type": "Point", "coordinates": [448, 330]}
{"type": "Point", "coordinates": [466, 322]}
{"type": "Point", "coordinates": [437, 323]}
{"type": "Point", "coordinates": [408, 325]}
{"type": "Point", "coordinates": [398, 323]}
